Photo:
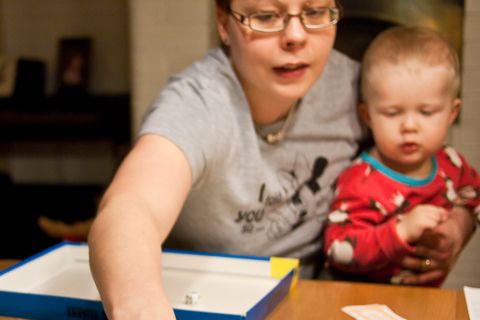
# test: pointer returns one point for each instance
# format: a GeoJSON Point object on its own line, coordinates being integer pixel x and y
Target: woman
{"type": "Point", "coordinates": [238, 152]}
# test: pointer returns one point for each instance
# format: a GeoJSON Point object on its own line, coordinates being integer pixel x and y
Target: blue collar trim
{"type": "Point", "coordinates": [398, 176]}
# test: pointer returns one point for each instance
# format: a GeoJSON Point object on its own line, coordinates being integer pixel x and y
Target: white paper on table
{"type": "Point", "coordinates": [472, 296]}
{"type": "Point", "coordinates": [371, 311]}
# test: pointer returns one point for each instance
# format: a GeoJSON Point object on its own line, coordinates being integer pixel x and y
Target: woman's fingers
{"type": "Point", "coordinates": [423, 252]}
{"type": "Point", "coordinates": [425, 270]}
{"type": "Point", "coordinates": [421, 264]}
{"type": "Point", "coordinates": [423, 278]}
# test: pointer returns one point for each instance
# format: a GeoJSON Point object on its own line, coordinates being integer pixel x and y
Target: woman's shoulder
{"type": "Point", "coordinates": [336, 91]}
{"type": "Point", "coordinates": [341, 73]}
{"type": "Point", "coordinates": [208, 84]}
{"type": "Point", "coordinates": [340, 60]}
{"type": "Point", "coordinates": [213, 71]}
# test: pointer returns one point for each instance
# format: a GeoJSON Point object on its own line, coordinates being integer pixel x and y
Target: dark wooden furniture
{"type": "Point", "coordinates": [64, 118]}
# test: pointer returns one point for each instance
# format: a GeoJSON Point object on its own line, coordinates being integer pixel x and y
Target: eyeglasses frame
{"type": "Point", "coordinates": [246, 20]}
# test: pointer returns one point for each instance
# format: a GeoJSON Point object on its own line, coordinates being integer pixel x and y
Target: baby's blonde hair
{"type": "Point", "coordinates": [398, 45]}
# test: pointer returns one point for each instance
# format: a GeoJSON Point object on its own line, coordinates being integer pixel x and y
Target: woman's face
{"type": "Point", "coordinates": [276, 67]}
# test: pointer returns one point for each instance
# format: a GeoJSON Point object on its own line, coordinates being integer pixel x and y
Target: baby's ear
{"type": "Point", "coordinates": [456, 105]}
{"type": "Point", "coordinates": [363, 113]}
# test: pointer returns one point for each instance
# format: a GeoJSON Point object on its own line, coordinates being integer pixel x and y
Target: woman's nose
{"type": "Point", "coordinates": [294, 35]}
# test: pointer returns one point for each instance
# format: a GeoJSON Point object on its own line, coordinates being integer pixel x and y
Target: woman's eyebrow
{"type": "Point", "coordinates": [266, 2]}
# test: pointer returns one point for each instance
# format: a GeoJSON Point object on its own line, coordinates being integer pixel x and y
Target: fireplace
{"type": "Point", "coordinates": [363, 20]}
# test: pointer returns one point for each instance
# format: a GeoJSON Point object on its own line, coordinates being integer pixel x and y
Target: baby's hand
{"type": "Point", "coordinates": [413, 224]}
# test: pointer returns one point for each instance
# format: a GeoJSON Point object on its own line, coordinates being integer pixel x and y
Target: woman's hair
{"type": "Point", "coordinates": [223, 4]}
{"type": "Point", "coordinates": [399, 45]}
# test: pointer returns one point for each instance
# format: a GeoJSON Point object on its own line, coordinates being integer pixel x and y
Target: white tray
{"type": "Point", "coordinates": [57, 284]}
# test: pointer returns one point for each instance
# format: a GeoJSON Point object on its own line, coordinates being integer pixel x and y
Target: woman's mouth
{"type": "Point", "coordinates": [291, 71]}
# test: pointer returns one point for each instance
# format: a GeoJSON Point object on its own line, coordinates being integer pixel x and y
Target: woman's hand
{"type": "Point", "coordinates": [438, 249]}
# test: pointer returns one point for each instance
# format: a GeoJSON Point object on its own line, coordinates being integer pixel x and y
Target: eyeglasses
{"type": "Point", "coordinates": [274, 21]}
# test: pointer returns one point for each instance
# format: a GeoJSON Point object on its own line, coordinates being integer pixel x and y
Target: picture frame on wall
{"type": "Point", "coordinates": [74, 55]}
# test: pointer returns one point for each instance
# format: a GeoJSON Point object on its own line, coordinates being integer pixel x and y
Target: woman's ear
{"type": "Point", "coordinates": [456, 105]}
{"type": "Point", "coordinates": [222, 26]}
{"type": "Point", "coordinates": [363, 113]}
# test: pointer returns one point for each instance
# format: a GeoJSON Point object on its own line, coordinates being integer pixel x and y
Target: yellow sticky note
{"type": "Point", "coordinates": [281, 266]}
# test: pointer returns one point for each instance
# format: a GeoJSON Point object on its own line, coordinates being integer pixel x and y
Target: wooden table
{"type": "Point", "coordinates": [4, 263]}
{"type": "Point", "coordinates": [313, 299]}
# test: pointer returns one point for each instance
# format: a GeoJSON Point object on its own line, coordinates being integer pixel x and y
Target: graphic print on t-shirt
{"type": "Point", "coordinates": [285, 210]}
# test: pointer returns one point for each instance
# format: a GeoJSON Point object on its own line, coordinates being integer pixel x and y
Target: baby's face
{"type": "Point", "coordinates": [409, 110]}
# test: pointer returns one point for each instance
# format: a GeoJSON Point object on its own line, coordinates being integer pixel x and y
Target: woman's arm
{"type": "Point", "coordinates": [135, 216]}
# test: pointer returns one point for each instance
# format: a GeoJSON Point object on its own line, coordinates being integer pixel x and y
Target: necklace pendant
{"type": "Point", "coordinates": [278, 136]}
{"type": "Point", "coordinates": [273, 138]}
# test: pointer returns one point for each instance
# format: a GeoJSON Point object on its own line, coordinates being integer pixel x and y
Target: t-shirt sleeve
{"type": "Point", "coordinates": [180, 114]}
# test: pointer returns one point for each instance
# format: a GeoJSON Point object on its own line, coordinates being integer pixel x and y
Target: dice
{"type": "Point", "coordinates": [191, 298]}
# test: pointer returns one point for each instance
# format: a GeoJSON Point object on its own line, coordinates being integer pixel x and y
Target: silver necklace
{"type": "Point", "coordinates": [274, 137]}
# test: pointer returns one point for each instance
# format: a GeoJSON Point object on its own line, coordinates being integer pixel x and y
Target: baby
{"type": "Point", "coordinates": [407, 183]}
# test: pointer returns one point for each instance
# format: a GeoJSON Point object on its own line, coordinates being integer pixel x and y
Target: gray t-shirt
{"type": "Point", "coordinates": [249, 197]}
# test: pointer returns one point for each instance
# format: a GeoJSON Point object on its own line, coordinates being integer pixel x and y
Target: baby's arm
{"type": "Point", "coordinates": [413, 224]}
{"type": "Point", "coordinates": [444, 244]}
{"type": "Point", "coordinates": [361, 234]}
